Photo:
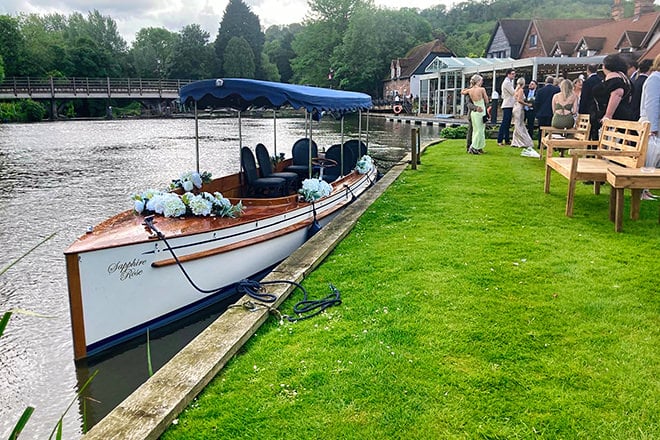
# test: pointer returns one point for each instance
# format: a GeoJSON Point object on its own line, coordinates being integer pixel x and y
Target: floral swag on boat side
{"type": "Point", "coordinates": [365, 164]}
{"type": "Point", "coordinates": [170, 204]}
{"type": "Point", "coordinates": [314, 189]}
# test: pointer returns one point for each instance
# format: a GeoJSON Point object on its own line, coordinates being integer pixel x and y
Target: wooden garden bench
{"type": "Point", "coordinates": [559, 139]}
{"type": "Point", "coordinates": [621, 144]}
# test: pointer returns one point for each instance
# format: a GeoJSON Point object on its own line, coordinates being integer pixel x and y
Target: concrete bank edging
{"type": "Point", "coordinates": [150, 409]}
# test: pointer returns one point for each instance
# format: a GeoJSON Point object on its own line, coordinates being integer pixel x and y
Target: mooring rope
{"type": "Point", "coordinates": [255, 289]}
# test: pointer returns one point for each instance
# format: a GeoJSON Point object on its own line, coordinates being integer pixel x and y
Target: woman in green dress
{"type": "Point", "coordinates": [479, 98]}
{"type": "Point", "coordinates": [564, 105]}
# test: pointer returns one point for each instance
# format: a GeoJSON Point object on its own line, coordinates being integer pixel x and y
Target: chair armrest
{"type": "Point", "coordinates": [551, 144]}
{"type": "Point", "coordinates": [600, 153]}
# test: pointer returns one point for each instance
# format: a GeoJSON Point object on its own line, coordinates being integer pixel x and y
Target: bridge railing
{"type": "Point", "coordinates": [86, 87]}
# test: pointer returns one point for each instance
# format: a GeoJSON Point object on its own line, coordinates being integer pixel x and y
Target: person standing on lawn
{"type": "Point", "coordinates": [543, 104]}
{"type": "Point", "coordinates": [508, 89]}
{"type": "Point", "coordinates": [586, 104]}
{"type": "Point", "coordinates": [650, 111]}
{"type": "Point", "coordinates": [479, 98]}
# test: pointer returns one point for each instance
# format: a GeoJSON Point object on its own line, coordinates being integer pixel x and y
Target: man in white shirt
{"type": "Point", "coordinates": [503, 136]}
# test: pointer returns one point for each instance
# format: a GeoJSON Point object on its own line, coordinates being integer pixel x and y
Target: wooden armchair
{"type": "Point", "coordinates": [621, 144]}
{"type": "Point", "coordinates": [560, 139]}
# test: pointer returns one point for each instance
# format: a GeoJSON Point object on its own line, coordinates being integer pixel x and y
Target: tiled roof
{"type": "Point", "coordinates": [613, 30]}
{"type": "Point", "coordinates": [565, 47]}
{"type": "Point", "coordinates": [551, 31]}
{"type": "Point", "coordinates": [417, 54]}
{"type": "Point", "coordinates": [515, 31]}
{"type": "Point", "coordinates": [593, 43]}
{"type": "Point", "coordinates": [631, 39]}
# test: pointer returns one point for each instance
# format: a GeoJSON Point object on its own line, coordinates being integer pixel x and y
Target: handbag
{"type": "Point", "coordinates": [485, 118]}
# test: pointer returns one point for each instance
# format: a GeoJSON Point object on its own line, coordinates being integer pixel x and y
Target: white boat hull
{"type": "Point", "coordinates": [117, 292]}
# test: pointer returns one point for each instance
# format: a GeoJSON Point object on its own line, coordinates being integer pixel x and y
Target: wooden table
{"type": "Point", "coordinates": [636, 180]}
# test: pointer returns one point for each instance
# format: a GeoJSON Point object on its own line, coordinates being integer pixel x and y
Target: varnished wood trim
{"type": "Point", "coordinates": [75, 303]}
{"type": "Point", "coordinates": [232, 246]}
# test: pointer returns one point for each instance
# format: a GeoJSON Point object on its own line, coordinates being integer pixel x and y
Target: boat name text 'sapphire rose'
{"type": "Point", "coordinates": [127, 269]}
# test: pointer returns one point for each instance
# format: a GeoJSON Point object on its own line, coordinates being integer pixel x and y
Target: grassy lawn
{"type": "Point", "coordinates": [472, 308]}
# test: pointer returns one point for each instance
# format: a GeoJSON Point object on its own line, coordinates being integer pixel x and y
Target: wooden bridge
{"type": "Point", "coordinates": [90, 88]}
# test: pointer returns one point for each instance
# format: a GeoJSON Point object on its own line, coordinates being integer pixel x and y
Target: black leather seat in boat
{"type": "Point", "coordinates": [358, 148]}
{"type": "Point", "coordinates": [266, 168]}
{"type": "Point", "coordinates": [260, 186]}
{"type": "Point", "coordinates": [334, 153]}
{"type": "Point", "coordinates": [300, 153]}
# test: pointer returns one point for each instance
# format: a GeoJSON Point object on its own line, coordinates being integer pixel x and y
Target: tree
{"type": "Point", "coordinates": [191, 54]}
{"type": "Point", "coordinates": [152, 51]}
{"type": "Point", "coordinates": [278, 48]}
{"type": "Point", "coordinates": [12, 45]}
{"type": "Point", "coordinates": [269, 70]}
{"type": "Point", "coordinates": [45, 48]}
{"type": "Point", "coordinates": [88, 60]}
{"type": "Point", "coordinates": [322, 35]}
{"type": "Point", "coordinates": [372, 40]}
{"type": "Point", "coordinates": [2, 69]}
{"type": "Point", "coordinates": [103, 32]}
{"type": "Point", "coordinates": [239, 21]}
{"type": "Point", "coordinates": [239, 59]}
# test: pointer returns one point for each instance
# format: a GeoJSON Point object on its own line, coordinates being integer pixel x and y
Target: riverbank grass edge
{"type": "Point", "coordinates": [472, 308]}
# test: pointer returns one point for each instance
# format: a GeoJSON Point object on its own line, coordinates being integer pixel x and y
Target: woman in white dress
{"type": "Point", "coordinates": [521, 137]}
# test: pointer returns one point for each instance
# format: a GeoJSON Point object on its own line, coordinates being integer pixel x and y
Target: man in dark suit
{"type": "Point", "coordinates": [543, 104]}
{"type": "Point", "coordinates": [587, 98]}
{"type": "Point", "coordinates": [642, 73]}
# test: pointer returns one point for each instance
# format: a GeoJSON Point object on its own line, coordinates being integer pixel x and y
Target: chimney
{"type": "Point", "coordinates": [643, 7]}
{"type": "Point", "coordinates": [617, 10]}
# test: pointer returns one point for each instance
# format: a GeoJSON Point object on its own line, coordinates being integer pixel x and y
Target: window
{"type": "Point", "coordinates": [532, 40]}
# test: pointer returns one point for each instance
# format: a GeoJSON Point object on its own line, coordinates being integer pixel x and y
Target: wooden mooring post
{"type": "Point", "coordinates": [414, 147]}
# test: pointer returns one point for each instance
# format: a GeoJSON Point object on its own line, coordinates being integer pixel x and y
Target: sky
{"type": "Point", "coordinates": [133, 15]}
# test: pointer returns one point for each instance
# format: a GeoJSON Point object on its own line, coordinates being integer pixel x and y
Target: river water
{"type": "Point", "coordinates": [61, 177]}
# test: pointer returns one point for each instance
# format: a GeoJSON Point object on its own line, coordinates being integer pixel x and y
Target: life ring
{"type": "Point", "coordinates": [397, 109]}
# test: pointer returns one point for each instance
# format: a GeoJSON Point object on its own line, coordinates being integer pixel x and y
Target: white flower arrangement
{"type": "Point", "coordinates": [190, 180]}
{"type": "Point", "coordinates": [171, 204]}
{"type": "Point", "coordinates": [364, 165]}
{"type": "Point", "coordinates": [314, 189]}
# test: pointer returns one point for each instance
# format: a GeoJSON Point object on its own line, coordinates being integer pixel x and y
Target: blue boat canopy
{"type": "Point", "coordinates": [241, 94]}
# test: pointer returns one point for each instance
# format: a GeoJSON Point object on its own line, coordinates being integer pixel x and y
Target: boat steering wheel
{"type": "Point", "coordinates": [323, 163]}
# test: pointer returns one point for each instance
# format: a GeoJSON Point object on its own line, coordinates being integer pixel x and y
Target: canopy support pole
{"type": "Point", "coordinates": [367, 135]}
{"type": "Point", "coordinates": [309, 144]}
{"type": "Point", "coordinates": [359, 127]}
{"type": "Point", "coordinates": [196, 138]}
{"type": "Point", "coordinates": [341, 149]}
{"type": "Point", "coordinates": [240, 138]}
{"type": "Point", "coordinates": [274, 133]}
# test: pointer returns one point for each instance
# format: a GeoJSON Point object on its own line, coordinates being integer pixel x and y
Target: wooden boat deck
{"type": "Point", "coordinates": [127, 227]}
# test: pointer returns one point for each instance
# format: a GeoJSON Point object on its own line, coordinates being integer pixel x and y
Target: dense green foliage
{"type": "Point", "coordinates": [459, 132]}
{"type": "Point", "coordinates": [463, 316]}
{"type": "Point", "coordinates": [239, 60]}
{"type": "Point", "coordinates": [345, 44]}
{"type": "Point", "coordinates": [25, 110]}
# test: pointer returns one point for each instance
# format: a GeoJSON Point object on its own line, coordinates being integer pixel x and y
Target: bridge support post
{"type": "Point", "coordinates": [53, 110]}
